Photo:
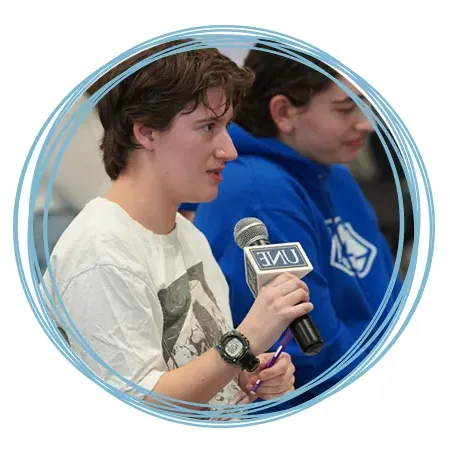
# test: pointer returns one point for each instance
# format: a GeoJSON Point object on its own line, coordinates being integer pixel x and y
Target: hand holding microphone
{"type": "Point", "coordinates": [278, 303]}
{"type": "Point", "coordinates": [276, 269]}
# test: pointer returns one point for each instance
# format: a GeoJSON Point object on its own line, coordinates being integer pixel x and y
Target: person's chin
{"type": "Point", "coordinates": [350, 155]}
{"type": "Point", "coordinates": [208, 195]}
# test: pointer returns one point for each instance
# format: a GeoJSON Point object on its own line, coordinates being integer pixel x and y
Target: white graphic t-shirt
{"type": "Point", "coordinates": [145, 303]}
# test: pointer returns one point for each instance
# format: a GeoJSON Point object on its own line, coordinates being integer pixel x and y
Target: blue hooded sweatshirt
{"type": "Point", "coordinates": [322, 208]}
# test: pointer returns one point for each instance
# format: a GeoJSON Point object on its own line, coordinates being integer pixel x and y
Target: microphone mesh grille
{"type": "Point", "coordinates": [249, 230]}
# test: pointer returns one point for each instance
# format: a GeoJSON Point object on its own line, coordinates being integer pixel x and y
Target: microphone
{"type": "Point", "coordinates": [264, 261]}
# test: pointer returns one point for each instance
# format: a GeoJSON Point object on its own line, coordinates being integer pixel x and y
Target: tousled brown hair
{"type": "Point", "coordinates": [278, 75]}
{"type": "Point", "coordinates": [158, 92]}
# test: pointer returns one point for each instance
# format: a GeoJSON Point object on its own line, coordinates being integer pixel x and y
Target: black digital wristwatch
{"type": "Point", "coordinates": [234, 348]}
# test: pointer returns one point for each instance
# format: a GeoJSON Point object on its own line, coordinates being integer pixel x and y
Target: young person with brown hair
{"type": "Point", "coordinates": [138, 280]}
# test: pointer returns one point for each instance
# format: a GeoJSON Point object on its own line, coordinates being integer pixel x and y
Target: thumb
{"type": "Point", "coordinates": [264, 359]}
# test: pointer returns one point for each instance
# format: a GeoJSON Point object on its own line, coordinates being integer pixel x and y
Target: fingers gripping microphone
{"type": "Point", "coordinates": [264, 261]}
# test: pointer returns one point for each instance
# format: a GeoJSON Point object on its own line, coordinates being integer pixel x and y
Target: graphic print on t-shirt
{"type": "Point", "coordinates": [193, 323]}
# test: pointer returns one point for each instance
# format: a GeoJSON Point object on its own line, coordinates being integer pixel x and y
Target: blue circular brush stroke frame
{"type": "Point", "coordinates": [225, 37]}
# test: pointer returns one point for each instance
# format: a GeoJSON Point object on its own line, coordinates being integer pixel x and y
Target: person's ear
{"type": "Point", "coordinates": [144, 136]}
{"type": "Point", "coordinates": [282, 112]}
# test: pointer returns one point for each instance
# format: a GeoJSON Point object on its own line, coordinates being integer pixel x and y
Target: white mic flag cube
{"type": "Point", "coordinates": [264, 262]}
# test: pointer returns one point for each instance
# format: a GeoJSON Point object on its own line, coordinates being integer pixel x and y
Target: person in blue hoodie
{"type": "Point", "coordinates": [294, 133]}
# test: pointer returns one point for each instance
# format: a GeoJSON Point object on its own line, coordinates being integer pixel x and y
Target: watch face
{"type": "Point", "coordinates": [234, 348]}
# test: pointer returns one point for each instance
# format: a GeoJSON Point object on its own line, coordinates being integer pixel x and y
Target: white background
{"type": "Point", "coordinates": [398, 48]}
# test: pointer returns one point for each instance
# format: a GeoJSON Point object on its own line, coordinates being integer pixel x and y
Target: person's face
{"type": "Point", "coordinates": [189, 157]}
{"type": "Point", "coordinates": [330, 129]}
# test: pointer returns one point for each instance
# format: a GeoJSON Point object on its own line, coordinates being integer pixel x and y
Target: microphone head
{"type": "Point", "coordinates": [249, 230]}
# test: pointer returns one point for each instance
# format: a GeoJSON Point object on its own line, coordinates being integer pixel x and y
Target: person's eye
{"type": "Point", "coordinates": [346, 110]}
{"type": "Point", "coordinates": [209, 127]}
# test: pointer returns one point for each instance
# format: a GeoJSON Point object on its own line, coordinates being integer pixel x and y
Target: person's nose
{"type": "Point", "coordinates": [226, 149]}
{"type": "Point", "coordinates": [363, 123]}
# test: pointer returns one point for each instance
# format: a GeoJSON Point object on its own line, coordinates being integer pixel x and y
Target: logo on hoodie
{"type": "Point", "coordinates": [350, 252]}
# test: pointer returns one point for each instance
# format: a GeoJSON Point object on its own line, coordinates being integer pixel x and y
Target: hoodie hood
{"type": "Point", "coordinates": [279, 153]}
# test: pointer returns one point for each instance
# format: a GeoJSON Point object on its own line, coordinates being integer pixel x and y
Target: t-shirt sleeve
{"type": "Point", "coordinates": [118, 315]}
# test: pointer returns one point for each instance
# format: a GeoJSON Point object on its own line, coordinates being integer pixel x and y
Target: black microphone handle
{"type": "Point", "coordinates": [307, 335]}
